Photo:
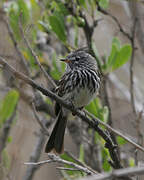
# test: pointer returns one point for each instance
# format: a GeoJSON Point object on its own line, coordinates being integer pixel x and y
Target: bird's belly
{"type": "Point", "coordinates": [82, 97]}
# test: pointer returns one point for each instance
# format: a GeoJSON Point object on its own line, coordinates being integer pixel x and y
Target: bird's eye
{"type": "Point", "coordinates": [77, 58]}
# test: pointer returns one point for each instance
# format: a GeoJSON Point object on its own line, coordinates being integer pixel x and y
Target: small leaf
{"type": "Point", "coordinates": [8, 105]}
{"type": "Point", "coordinates": [122, 56]}
{"type": "Point", "coordinates": [62, 8]}
{"type": "Point", "coordinates": [16, 10]}
{"type": "Point", "coordinates": [28, 56]}
{"type": "Point", "coordinates": [131, 162]}
{"type": "Point", "coordinates": [14, 18]}
{"type": "Point", "coordinates": [55, 73]}
{"type": "Point", "coordinates": [80, 21]}
{"type": "Point", "coordinates": [104, 4]}
{"type": "Point", "coordinates": [48, 101]}
{"type": "Point", "coordinates": [24, 11]}
{"type": "Point", "coordinates": [105, 156]}
{"type": "Point", "coordinates": [44, 26]}
{"type": "Point", "coordinates": [112, 57]}
{"type": "Point", "coordinates": [92, 108]}
{"type": "Point", "coordinates": [57, 25]}
{"type": "Point", "coordinates": [105, 114]}
{"type": "Point", "coordinates": [116, 42]}
{"type": "Point", "coordinates": [35, 11]}
{"type": "Point", "coordinates": [97, 57]}
{"type": "Point", "coordinates": [68, 158]}
{"type": "Point", "coordinates": [6, 159]}
{"type": "Point", "coordinates": [121, 141]}
{"type": "Point", "coordinates": [9, 139]}
{"type": "Point", "coordinates": [81, 153]}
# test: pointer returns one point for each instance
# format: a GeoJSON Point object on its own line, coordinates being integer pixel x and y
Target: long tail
{"type": "Point", "coordinates": [56, 140]}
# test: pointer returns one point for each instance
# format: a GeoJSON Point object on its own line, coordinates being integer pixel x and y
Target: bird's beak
{"type": "Point", "coordinates": [65, 60]}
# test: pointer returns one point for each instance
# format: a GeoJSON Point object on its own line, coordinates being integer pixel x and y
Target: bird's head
{"type": "Point", "coordinates": [79, 59]}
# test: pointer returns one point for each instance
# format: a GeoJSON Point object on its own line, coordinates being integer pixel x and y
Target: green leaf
{"type": "Point", "coordinates": [82, 2]}
{"type": "Point", "coordinates": [104, 4]}
{"type": "Point", "coordinates": [44, 26]}
{"type": "Point", "coordinates": [63, 67]}
{"type": "Point", "coordinates": [6, 161]}
{"type": "Point", "coordinates": [97, 57]}
{"type": "Point", "coordinates": [92, 108]}
{"type": "Point", "coordinates": [14, 18]}
{"type": "Point", "coordinates": [9, 139]}
{"type": "Point", "coordinates": [105, 156]}
{"type": "Point", "coordinates": [79, 21]}
{"type": "Point", "coordinates": [55, 73]}
{"type": "Point", "coordinates": [8, 105]}
{"type": "Point", "coordinates": [131, 162]}
{"type": "Point", "coordinates": [122, 57]}
{"type": "Point", "coordinates": [62, 8]}
{"type": "Point", "coordinates": [116, 42]}
{"type": "Point", "coordinates": [81, 153]}
{"type": "Point", "coordinates": [105, 114]}
{"type": "Point", "coordinates": [57, 24]}
{"type": "Point", "coordinates": [68, 158]}
{"type": "Point", "coordinates": [121, 141]}
{"type": "Point", "coordinates": [118, 56]}
{"type": "Point", "coordinates": [23, 11]}
{"type": "Point", "coordinates": [35, 11]}
{"type": "Point", "coordinates": [28, 56]}
{"type": "Point", "coordinates": [16, 10]}
{"type": "Point", "coordinates": [112, 56]}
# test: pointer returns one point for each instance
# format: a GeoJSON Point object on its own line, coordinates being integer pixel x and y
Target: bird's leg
{"type": "Point", "coordinates": [81, 108]}
{"type": "Point", "coordinates": [72, 106]}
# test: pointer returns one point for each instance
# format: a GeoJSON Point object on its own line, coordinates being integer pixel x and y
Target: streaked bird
{"type": "Point", "coordinates": [79, 85]}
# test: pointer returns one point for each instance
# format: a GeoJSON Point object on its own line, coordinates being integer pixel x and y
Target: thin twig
{"type": "Point", "coordinates": [35, 157]}
{"type": "Point", "coordinates": [54, 158]}
{"type": "Point", "coordinates": [79, 162]}
{"type": "Point", "coordinates": [12, 36]}
{"type": "Point", "coordinates": [38, 120]}
{"type": "Point", "coordinates": [116, 21]}
{"type": "Point", "coordinates": [5, 132]}
{"type": "Point", "coordinates": [116, 132]}
{"type": "Point", "coordinates": [50, 80]}
{"type": "Point", "coordinates": [67, 169]}
{"type": "Point", "coordinates": [131, 66]}
{"type": "Point", "coordinates": [117, 174]}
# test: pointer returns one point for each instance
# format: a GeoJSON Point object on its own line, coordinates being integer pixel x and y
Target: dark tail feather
{"type": "Point", "coordinates": [56, 140]}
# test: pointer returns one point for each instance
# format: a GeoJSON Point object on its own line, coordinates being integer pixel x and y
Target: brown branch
{"type": "Point", "coordinates": [54, 158]}
{"type": "Point", "coordinates": [79, 162]}
{"type": "Point", "coordinates": [115, 19]}
{"type": "Point", "coordinates": [5, 132]}
{"type": "Point", "coordinates": [39, 120]}
{"type": "Point", "coordinates": [50, 80]}
{"type": "Point", "coordinates": [116, 132]}
{"type": "Point", "coordinates": [41, 105]}
{"type": "Point", "coordinates": [35, 157]}
{"type": "Point", "coordinates": [117, 174]}
{"type": "Point", "coordinates": [131, 67]}
{"type": "Point", "coordinates": [11, 34]}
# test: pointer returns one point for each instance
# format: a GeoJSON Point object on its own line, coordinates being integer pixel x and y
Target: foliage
{"type": "Point", "coordinates": [8, 105]}
{"type": "Point", "coordinates": [7, 108]}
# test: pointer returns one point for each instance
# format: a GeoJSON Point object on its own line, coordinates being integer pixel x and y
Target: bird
{"type": "Point", "coordinates": [79, 85]}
